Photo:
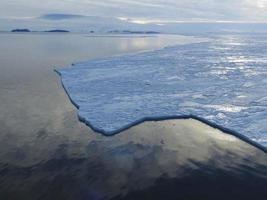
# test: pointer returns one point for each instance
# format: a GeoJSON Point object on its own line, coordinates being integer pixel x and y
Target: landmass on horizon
{"type": "Point", "coordinates": [100, 24]}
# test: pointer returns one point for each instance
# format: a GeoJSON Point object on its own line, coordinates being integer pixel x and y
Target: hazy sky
{"type": "Point", "coordinates": [142, 10]}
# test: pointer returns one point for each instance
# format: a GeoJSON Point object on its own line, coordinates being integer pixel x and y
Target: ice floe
{"type": "Point", "coordinates": [223, 81]}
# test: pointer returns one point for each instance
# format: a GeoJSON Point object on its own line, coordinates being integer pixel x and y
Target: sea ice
{"type": "Point", "coordinates": [223, 81]}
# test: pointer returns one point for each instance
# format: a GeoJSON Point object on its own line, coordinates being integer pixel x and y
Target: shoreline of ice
{"type": "Point", "coordinates": [119, 112]}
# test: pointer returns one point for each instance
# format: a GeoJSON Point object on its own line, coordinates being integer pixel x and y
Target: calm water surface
{"type": "Point", "coordinates": [46, 153]}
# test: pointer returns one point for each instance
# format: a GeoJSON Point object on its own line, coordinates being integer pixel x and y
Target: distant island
{"type": "Point", "coordinates": [67, 31]}
{"type": "Point", "coordinates": [57, 31]}
{"type": "Point", "coordinates": [20, 30]}
{"type": "Point", "coordinates": [49, 31]}
{"type": "Point", "coordinates": [133, 32]}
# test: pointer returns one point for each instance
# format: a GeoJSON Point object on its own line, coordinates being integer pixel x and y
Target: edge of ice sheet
{"type": "Point", "coordinates": [157, 118]}
{"type": "Point", "coordinates": [161, 118]}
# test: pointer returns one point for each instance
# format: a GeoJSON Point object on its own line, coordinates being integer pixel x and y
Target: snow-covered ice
{"type": "Point", "coordinates": [223, 81]}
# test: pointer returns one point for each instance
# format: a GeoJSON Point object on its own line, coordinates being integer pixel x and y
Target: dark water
{"type": "Point", "coordinates": [46, 153]}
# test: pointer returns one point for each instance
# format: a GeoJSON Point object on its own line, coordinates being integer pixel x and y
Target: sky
{"type": "Point", "coordinates": [142, 11]}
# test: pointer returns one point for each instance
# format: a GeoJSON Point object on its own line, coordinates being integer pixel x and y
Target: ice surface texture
{"type": "Point", "coordinates": [223, 81]}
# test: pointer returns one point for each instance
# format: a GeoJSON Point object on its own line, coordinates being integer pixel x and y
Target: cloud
{"type": "Point", "coordinates": [143, 10]}
{"type": "Point", "coordinates": [61, 16]}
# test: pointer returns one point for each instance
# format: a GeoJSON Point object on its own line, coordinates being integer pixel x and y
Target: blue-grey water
{"type": "Point", "coordinates": [46, 153]}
